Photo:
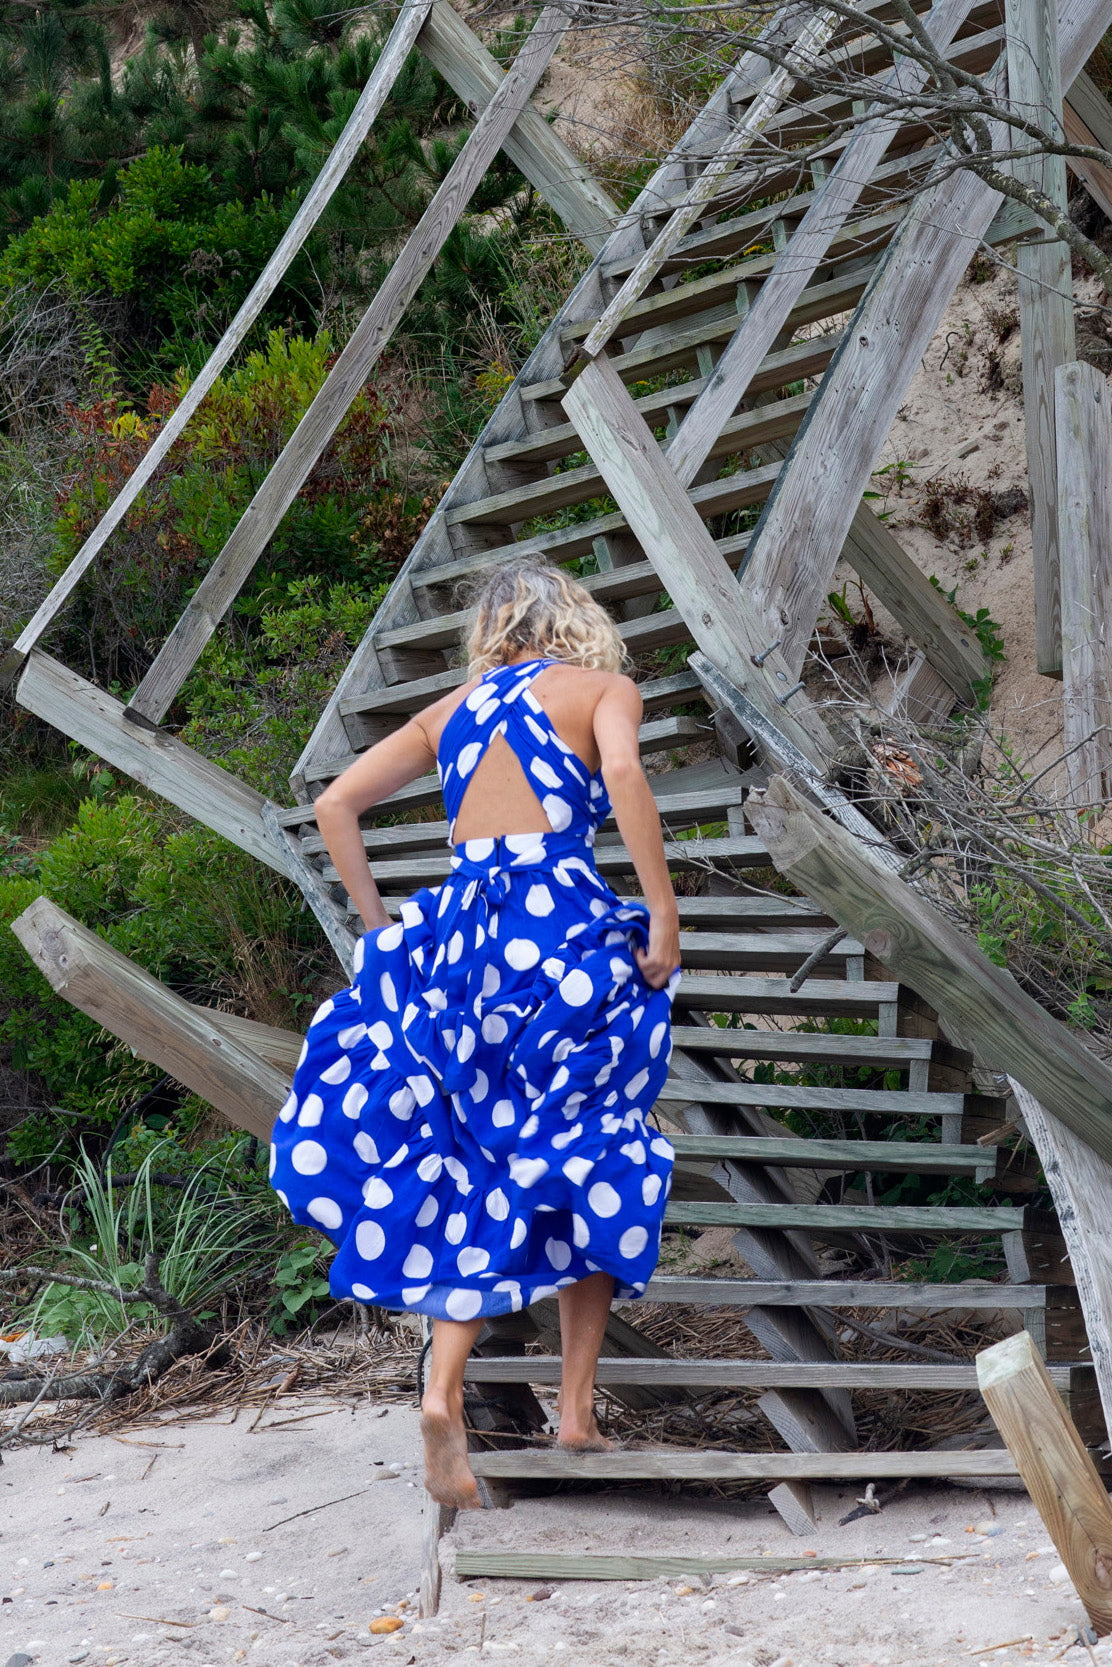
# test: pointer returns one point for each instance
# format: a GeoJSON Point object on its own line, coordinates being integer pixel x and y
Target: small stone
{"type": "Point", "coordinates": [916, 1539]}
{"type": "Point", "coordinates": [105, 1585]}
{"type": "Point", "coordinates": [738, 1580]}
{"type": "Point", "coordinates": [907, 1568]}
{"type": "Point", "coordinates": [989, 1529]}
{"type": "Point", "coordinates": [79, 1655]}
{"type": "Point", "coordinates": [808, 1574]}
{"type": "Point", "coordinates": [229, 1574]}
{"type": "Point", "coordinates": [219, 1612]}
{"type": "Point", "coordinates": [20, 1659]}
{"type": "Point", "coordinates": [709, 1603]}
{"type": "Point", "coordinates": [1058, 1575]}
{"type": "Point", "coordinates": [253, 1557]}
{"type": "Point", "coordinates": [279, 1499]}
{"type": "Point", "coordinates": [540, 1595]}
{"type": "Point", "coordinates": [386, 1623]}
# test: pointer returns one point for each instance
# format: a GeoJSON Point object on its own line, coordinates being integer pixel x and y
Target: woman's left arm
{"type": "Point", "coordinates": [380, 771]}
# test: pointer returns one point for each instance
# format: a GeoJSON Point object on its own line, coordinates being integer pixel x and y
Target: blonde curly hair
{"type": "Point", "coordinates": [531, 605]}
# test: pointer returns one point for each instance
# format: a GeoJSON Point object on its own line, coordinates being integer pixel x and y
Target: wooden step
{"type": "Point", "coordinates": [820, 998]}
{"type": "Point", "coordinates": [766, 951]}
{"type": "Point", "coordinates": [923, 1220]}
{"type": "Point", "coordinates": [756, 1374]}
{"type": "Point", "coordinates": [918, 1296]}
{"type": "Point", "coordinates": [778, 1096]}
{"type": "Point", "coordinates": [650, 1464]}
{"type": "Point", "coordinates": [403, 699]}
{"type": "Point", "coordinates": [919, 1157]}
{"type": "Point", "coordinates": [795, 1047]}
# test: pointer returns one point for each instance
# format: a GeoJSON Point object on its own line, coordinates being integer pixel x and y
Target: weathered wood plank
{"type": "Point", "coordinates": [156, 760]}
{"type": "Point", "coordinates": [587, 211]}
{"type": "Point", "coordinates": [1083, 422]}
{"type": "Point", "coordinates": [804, 1046]}
{"type": "Point", "coordinates": [672, 535]}
{"type": "Point", "coordinates": [710, 1465]}
{"type": "Point", "coordinates": [391, 59]}
{"type": "Point", "coordinates": [1043, 266]}
{"type": "Point", "coordinates": [188, 1042]}
{"type": "Point", "coordinates": [330, 914]}
{"type": "Point", "coordinates": [838, 1293]}
{"type": "Point", "coordinates": [1087, 119]}
{"type": "Point", "coordinates": [804, 524]}
{"type": "Point", "coordinates": [861, 1218]}
{"type": "Point", "coordinates": [1080, 1184]}
{"type": "Point", "coordinates": [901, 1156]}
{"type": "Point", "coordinates": [974, 999]}
{"type": "Point", "coordinates": [788, 1097]}
{"type": "Point", "coordinates": [218, 589]}
{"type": "Point", "coordinates": [748, 1374]}
{"type": "Point", "coordinates": [567, 1565]}
{"type": "Point", "coordinates": [1056, 1468]}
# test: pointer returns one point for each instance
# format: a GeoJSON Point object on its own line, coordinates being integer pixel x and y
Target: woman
{"type": "Point", "coordinates": [467, 1122]}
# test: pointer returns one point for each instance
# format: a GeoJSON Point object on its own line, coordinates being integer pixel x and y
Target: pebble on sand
{"type": "Point", "coordinates": [386, 1623]}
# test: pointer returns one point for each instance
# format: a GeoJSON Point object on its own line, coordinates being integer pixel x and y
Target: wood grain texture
{"type": "Point", "coordinates": [1087, 119]}
{"type": "Point", "coordinates": [1083, 421]}
{"type": "Point", "coordinates": [1045, 303]}
{"type": "Point", "coordinates": [152, 758]}
{"type": "Point", "coordinates": [331, 915]}
{"type": "Point", "coordinates": [1055, 1466]}
{"type": "Point", "coordinates": [1080, 1184]}
{"type": "Point", "coordinates": [901, 1156]}
{"type": "Point", "coordinates": [566, 1565]}
{"type": "Point", "coordinates": [846, 1293]}
{"type": "Point", "coordinates": [187, 1042]}
{"type": "Point", "coordinates": [748, 1374]}
{"type": "Point", "coordinates": [673, 537]}
{"type": "Point", "coordinates": [221, 584]}
{"type": "Point", "coordinates": [974, 999]}
{"type": "Point", "coordinates": [390, 61]}
{"type": "Point", "coordinates": [650, 1465]}
{"type": "Point", "coordinates": [804, 524]}
{"type": "Point", "coordinates": [925, 1219]}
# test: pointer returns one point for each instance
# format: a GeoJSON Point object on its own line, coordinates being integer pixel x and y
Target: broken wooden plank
{"type": "Point", "coordinates": [1083, 422]}
{"type": "Point", "coordinates": [1080, 1183]}
{"type": "Point", "coordinates": [154, 759]}
{"type": "Point", "coordinates": [221, 584]}
{"type": "Point", "coordinates": [1043, 266]}
{"type": "Point", "coordinates": [974, 998]}
{"type": "Point", "coordinates": [673, 537]}
{"type": "Point", "coordinates": [189, 1043]}
{"type": "Point", "coordinates": [1055, 1466]}
{"type": "Point", "coordinates": [568, 1565]}
{"type": "Point", "coordinates": [390, 62]}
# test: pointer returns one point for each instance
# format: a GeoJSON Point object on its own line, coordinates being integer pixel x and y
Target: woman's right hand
{"type": "Point", "coordinates": [660, 960]}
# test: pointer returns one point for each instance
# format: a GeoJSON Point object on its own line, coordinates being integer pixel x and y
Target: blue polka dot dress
{"type": "Point", "coordinates": [467, 1121]}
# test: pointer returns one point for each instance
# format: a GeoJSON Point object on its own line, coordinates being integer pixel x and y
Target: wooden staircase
{"type": "Point", "coordinates": [792, 1101]}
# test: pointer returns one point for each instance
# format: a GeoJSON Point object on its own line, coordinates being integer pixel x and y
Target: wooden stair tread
{"type": "Point", "coordinates": [820, 997]}
{"type": "Point", "coordinates": [754, 1374]}
{"type": "Point", "coordinates": [878, 1156]}
{"type": "Point", "coordinates": [715, 1465]}
{"type": "Point", "coordinates": [895, 1102]}
{"type": "Point", "coordinates": [806, 1047]}
{"type": "Point", "coordinates": [740, 850]}
{"type": "Point", "coordinates": [925, 1219]}
{"type": "Point", "coordinates": [917, 1295]}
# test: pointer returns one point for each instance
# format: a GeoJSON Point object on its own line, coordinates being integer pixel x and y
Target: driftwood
{"type": "Point", "coordinates": [187, 1336]}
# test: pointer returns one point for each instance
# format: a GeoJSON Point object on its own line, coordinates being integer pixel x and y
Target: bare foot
{"type": "Point", "coordinates": [448, 1475]}
{"type": "Point", "coordinates": [582, 1438]}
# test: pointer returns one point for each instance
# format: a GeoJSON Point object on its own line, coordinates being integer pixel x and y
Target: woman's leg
{"type": "Point", "coordinates": [448, 1475]}
{"type": "Point", "coordinates": [584, 1311]}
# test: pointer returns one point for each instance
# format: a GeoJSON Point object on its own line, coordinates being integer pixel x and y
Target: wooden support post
{"type": "Point", "coordinates": [390, 61]}
{"type": "Point", "coordinates": [1045, 302]}
{"type": "Point", "coordinates": [1084, 435]}
{"type": "Point", "coordinates": [191, 1044]}
{"type": "Point", "coordinates": [674, 538]}
{"type": "Point", "coordinates": [975, 999]}
{"type": "Point", "coordinates": [218, 589]}
{"type": "Point", "coordinates": [1055, 1466]}
{"type": "Point", "coordinates": [436, 1521]}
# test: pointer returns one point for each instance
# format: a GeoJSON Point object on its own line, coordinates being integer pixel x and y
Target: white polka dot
{"type": "Point", "coordinates": [326, 1211]}
{"type": "Point", "coordinates": [492, 979]}
{"type": "Point", "coordinates": [577, 1170]}
{"type": "Point", "coordinates": [370, 1240]}
{"type": "Point", "coordinates": [519, 1235]}
{"type": "Point", "coordinates": [559, 1141]}
{"type": "Point", "coordinates": [495, 1028]}
{"type": "Point", "coordinates": [427, 1214]}
{"type": "Point", "coordinates": [455, 947]}
{"type": "Point", "coordinates": [502, 1114]}
{"type": "Point", "coordinates": [634, 1150]}
{"type": "Point", "coordinates": [353, 1034]}
{"type": "Point", "coordinates": [529, 1128]}
{"type": "Point", "coordinates": [423, 1090]}
{"type": "Point", "coordinates": [497, 1204]}
{"type": "Point", "coordinates": [514, 1290]}
{"type": "Point", "coordinates": [458, 1173]}
{"type": "Point", "coordinates": [363, 1292]}
{"type": "Point", "coordinates": [544, 773]}
{"type": "Point", "coordinates": [577, 989]}
{"type": "Point", "coordinates": [399, 1157]}
{"type": "Point", "coordinates": [656, 1040]}
{"type": "Point", "coordinates": [463, 1305]}
{"type": "Point", "coordinates": [465, 1044]}
{"type": "Point", "coordinates": [558, 1253]}
{"type": "Point", "coordinates": [538, 901]}
{"type": "Point", "coordinates": [365, 1147]}
{"type": "Point", "coordinates": [580, 1232]}
{"type": "Point", "coordinates": [455, 1227]}
{"type": "Point", "coordinates": [312, 1110]}
{"type": "Point", "coordinates": [662, 1147]}
{"type": "Point", "coordinates": [414, 1293]}
{"type": "Point", "coordinates": [381, 1034]}
{"type": "Point", "coordinates": [322, 1013]}
{"type": "Point", "coordinates": [650, 1188]}
{"type": "Point", "coordinates": [402, 1102]}
{"type": "Point", "coordinates": [308, 1157]}
{"type": "Point", "coordinates": [526, 1172]}
{"type": "Point", "coordinates": [355, 1099]}
{"type": "Point", "coordinates": [429, 1168]}
{"type": "Point", "coordinates": [558, 812]}
{"type": "Point", "coordinates": [603, 1200]}
{"type": "Point", "coordinates": [288, 1109]}
{"type": "Point", "coordinates": [274, 1161]}
{"type": "Point", "coordinates": [479, 696]}
{"type": "Point", "coordinates": [339, 1071]}
{"type": "Point", "coordinates": [632, 1242]}
{"type": "Point", "coordinates": [522, 953]}
{"type": "Point", "coordinates": [636, 1085]}
{"type": "Point", "coordinates": [376, 1193]}
{"type": "Point", "coordinates": [418, 1264]}
{"type": "Point", "coordinates": [468, 758]}
{"type": "Point", "coordinates": [358, 957]}
{"type": "Point", "coordinates": [390, 937]}
{"type": "Point", "coordinates": [472, 1260]}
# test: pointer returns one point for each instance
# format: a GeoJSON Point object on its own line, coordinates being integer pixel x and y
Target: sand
{"type": "Point", "coordinates": [167, 1547]}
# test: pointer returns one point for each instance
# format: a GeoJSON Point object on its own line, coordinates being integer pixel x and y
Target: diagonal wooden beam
{"type": "Point", "coordinates": [696, 577]}
{"type": "Point", "coordinates": [1087, 119]}
{"type": "Point", "coordinates": [796, 543]}
{"type": "Point", "coordinates": [221, 584]}
{"type": "Point", "coordinates": [229, 1066]}
{"type": "Point", "coordinates": [390, 62]}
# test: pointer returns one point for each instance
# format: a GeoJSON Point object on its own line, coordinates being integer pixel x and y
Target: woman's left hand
{"type": "Point", "coordinates": [660, 960]}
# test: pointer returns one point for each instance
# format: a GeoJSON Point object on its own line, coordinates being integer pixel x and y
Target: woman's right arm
{"type": "Point", "coordinates": [380, 771]}
{"type": "Point", "coordinates": [617, 723]}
